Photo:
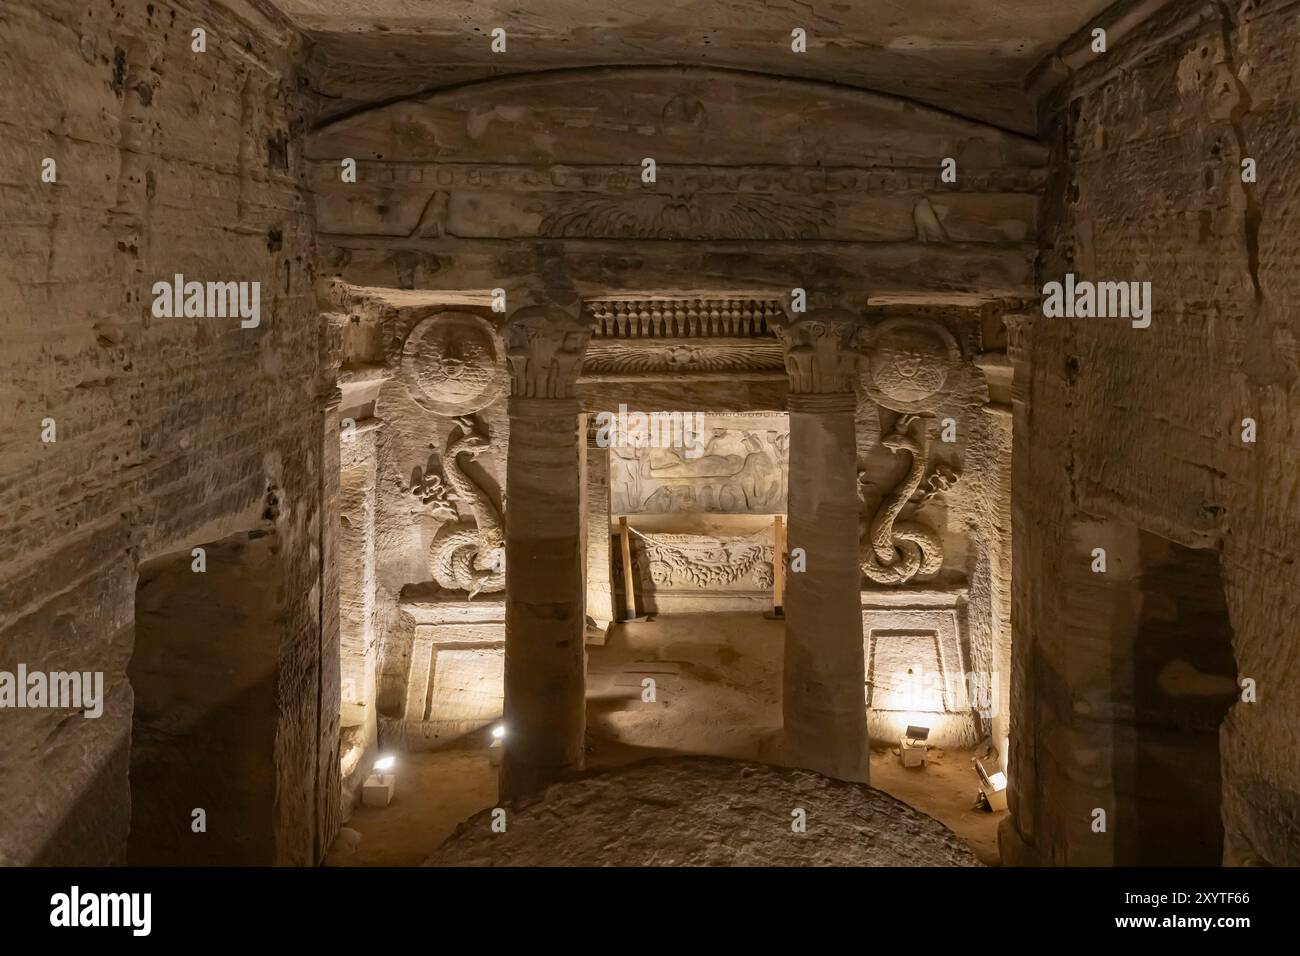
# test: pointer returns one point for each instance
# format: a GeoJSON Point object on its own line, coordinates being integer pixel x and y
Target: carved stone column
{"type": "Point", "coordinates": [545, 670]}
{"type": "Point", "coordinates": [824, 700]}
{"type": "Point", "coordinates": [600, 584]}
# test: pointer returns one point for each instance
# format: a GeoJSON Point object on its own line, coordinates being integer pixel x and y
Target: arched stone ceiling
{"type": "Point", "coordinates": [968, 56]}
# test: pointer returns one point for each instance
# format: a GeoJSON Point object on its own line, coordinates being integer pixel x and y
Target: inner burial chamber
{"type": "Point", "coordinates": [203, 672]}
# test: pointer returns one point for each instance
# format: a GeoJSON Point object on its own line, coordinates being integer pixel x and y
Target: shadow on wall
{"type": "Point", "coordinates": [61, 849]}
{"type": "Point", "coordinates": [203, 671]}
{"type": "Point", "coordinates": [1177, 667]}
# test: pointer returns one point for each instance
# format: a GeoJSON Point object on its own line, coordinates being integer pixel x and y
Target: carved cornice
{"type": "Point", "coordinates": [771, 179]}
{"type": "Point", "coordinates": [544, 346]}
{"type": "Point", "coordinates": [683, 318]}
{"type": "Point", "coordinates": [820, 357]}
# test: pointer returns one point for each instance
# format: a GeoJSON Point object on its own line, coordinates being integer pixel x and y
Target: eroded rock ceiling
{"type": "Point", "coordinates": [969, 56]}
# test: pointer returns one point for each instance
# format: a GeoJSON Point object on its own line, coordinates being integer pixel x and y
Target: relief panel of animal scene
{"type": "Point", "coordinates": [741, 467]}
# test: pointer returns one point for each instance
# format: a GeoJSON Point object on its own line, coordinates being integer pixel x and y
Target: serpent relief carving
{"type": "Point", "coordinates": [464, 557]}
{"type": "Point", "coordinates": [897, 551]}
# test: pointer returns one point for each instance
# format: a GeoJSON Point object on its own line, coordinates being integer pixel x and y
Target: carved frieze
{"type": "Point", "coordinates": [896, 551]}
{"type": "Point", "coordinates": [469, 556]}
{"type": "Point", "coordinates": [451, 363]}
{"type": "Point", "coordinates": [684, 317]}
{"type": "Point", "coordinates": [742, 470]}
{"type": "Point", "coordinates": [674, 336]}
{"type": "Point", "coordinates": [704, 562]}
{"type": "Point", "coordinates": [696, 356]}
{"type": "Point", "coordinates": [685, 214]}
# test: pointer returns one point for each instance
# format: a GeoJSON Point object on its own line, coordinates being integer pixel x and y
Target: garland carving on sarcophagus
{"type": "Point", "coordinates": [704, 562]}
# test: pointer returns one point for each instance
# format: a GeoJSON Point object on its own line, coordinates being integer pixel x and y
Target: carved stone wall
{"type": "Point", "coordinates": [1144, 427]}
{"type": "Point", "coordinates": [933, 459]}
{"type": "Point", "coordinates": [170, 432]}
{"type": "Point", "coordinates": [439, 381]}
{"type": "Point", "coordinates": [743, 188]}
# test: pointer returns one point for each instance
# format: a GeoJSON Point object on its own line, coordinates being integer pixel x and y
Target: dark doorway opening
{"type": "Point", "coordinates": [1180, 670]}
{"type": "Point", "coordinates": [203, 671]}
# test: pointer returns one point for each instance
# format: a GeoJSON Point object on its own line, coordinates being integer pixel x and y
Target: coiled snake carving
{"type": "Point", "coordinates": [900, 550]}
{"type": "Point", "coordinates": [464, 557]}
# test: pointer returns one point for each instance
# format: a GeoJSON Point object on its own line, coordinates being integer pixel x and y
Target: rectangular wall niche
{"type": "Point", "coordinates": [914, 647]}
{"type": "Point", "coordinates": [203, 672]}
{"type": "Point", "coordinates": [449, 684]}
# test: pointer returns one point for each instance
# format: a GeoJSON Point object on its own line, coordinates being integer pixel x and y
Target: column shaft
{"type": "Point", "coordinates": [545, 589]}
{"type": "Point", "coordinates": [824, 700]}
{"type": "Point", "coordinates": [600, 584]}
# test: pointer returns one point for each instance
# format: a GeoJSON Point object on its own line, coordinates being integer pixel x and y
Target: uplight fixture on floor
{"type": "Point", "coordinates": [912, 747]}
{"type": "Point", "coordinates": [377, 791]}
{"type": "Point", "coordinates": [495, 749]}
{"type": "Point", "coordinates": [993, 787]}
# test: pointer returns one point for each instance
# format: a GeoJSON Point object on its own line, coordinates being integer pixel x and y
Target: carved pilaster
{"type": "Point", "coordinates": [1019, 327]}
{"type": "Point", "coordinates": [545, 681]}
{"type": "Point", "coordinates": [819, 355]}
{"type": "Point", "coordinates": [544, 347]}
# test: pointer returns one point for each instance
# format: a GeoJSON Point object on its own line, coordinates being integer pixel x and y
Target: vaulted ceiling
{"type": "Point", "coordinates": [967, 56]}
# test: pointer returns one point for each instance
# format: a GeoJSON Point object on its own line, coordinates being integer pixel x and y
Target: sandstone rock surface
{"type": "Point", "coordinates": [701, 811]}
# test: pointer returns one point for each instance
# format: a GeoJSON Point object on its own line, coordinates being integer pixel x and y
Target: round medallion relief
{"type": "Point", "coordinates": [451, 363]}
{"type": "Point", "coordinates": [910, 362]}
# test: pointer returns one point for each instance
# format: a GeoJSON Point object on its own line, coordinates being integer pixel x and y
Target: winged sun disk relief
{"type": "Point", "coordinates": [688, 216]}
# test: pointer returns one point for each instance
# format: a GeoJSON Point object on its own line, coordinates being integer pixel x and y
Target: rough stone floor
{"type": "Point", "coordinates": [705, 811]}
{"type": "Point", "coordinates": [717, 680]}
